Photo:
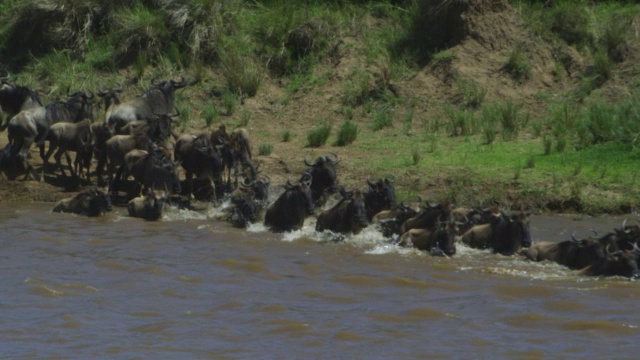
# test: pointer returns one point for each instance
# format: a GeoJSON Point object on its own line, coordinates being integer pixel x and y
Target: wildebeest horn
{"type": "Point", "coordinates": [306, 178]}
{"type": "Point", "coordinates": [624, 224]}
{"type": "Point", "coordinates": [89, 97]}
{"type": "Point", "coordinates": [573, 237]}
{"type": "Point", "coordinates": [392, 178]}
{"type": "Point", "coordinates": [267, 179]}
{"type": "Point", "coordinates": [595, 233]}
{"type": "Point", "coordinates": [154, 82]}
{"type": "Point", "coordinates": [245, 183]}
{"type": "Point", "coordinates": [336, 158]}
{"type": "Point", "coordinates": [371, 184]}
{"type": "Point", "coordinates": [635, 249]}
{"type": "Point", "coordinates": [306, 162]}
{"type": "Point", "coordinates": [611, 253]}
{"type": "Point", "coordinates": [102, 93]}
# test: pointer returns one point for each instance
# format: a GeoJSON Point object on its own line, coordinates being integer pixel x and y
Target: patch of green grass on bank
{"type": "Point", "coordinates": [604, 177]}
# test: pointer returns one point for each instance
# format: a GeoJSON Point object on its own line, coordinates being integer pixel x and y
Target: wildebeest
{"type": "Point", "coordinates": [438, 241]}
{"type": "Point", "coordinates": [240, 152]}
{"type": "Point", "coordinates": [248, 202]}
{"type": "Point", "coordinates": [347, 217]}
{"type": "Point", "coordinates": [13, 163]}
{"type": "Point", "coordinates": [615, 263]}
{"type": "Point", "coordinates": [149, 206]}
{"type": "Point", "coordinates": [505, 234]}
{"type": "Point", "coordinates": [428, 217]}
{"type": "Point", "coordinates": [90, 202]}
{"type": "Point", "coordinates": [292, 207]}
{"type": "Point", "coordinates": [158, 100]}
{"type": "Point", "coordinates": [198, 157]}
{"type": "Point", "coordinates": [150, 170]}
{"type": "Point", "coordinates": [390, 221]}
{"type": "Point", "coordinates": [14, 99]}
{"type": "Point", "coordinates": [380, 196]}
{"type": "Point", "coordinates": [64, 137]}
{"type": "Point", "coordinates": [574, 254]}
{"type": "Point", "coordinates": [323, 171]}
{"type": "Point", "coordinates": [30, 125]}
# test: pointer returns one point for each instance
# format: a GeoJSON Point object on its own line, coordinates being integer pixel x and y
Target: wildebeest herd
{"type": "Point", "coordinates": [134, 140]}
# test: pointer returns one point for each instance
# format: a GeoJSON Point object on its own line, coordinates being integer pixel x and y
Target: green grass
{"type": "Point", "coordinates": [319, 136]}
{"type": "Point", "coordinates": [265, 149]}
{"type": "Point", "coordinates": [518, 65]}
{"type": "Point", "coordinates": [347, 133]}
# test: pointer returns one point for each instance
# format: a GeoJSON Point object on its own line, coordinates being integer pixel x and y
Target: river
{"type": "Point", "coordinates": [192, 287]}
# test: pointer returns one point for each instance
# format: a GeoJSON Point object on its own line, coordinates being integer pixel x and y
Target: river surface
{"type": "Point", "coordinates": [192, 287]}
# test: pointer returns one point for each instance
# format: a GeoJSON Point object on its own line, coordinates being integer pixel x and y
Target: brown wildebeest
{"type": "Point", "coordinates": [323, 171]}
{"type": "Point", "coordinates": [380, 196]}
{"type": "Point", "coordinates": [91, 202]}
{"type": "Point", "coordinates": [149, 206]}
{"type": "Point", "coordinates": [198, 157]}
{"type": "Point", "coordinates": [292, 207]}
{"type": "Point", "coordinates": [347, 217]}
{"type": "Point", "coordinates": [150, 169]}
{"type": "Point", "coordinates": [438, 241]}
{"type": "Point", "coordinates": [65, 137]}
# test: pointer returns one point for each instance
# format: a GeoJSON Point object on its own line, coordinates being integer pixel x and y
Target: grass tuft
{"type": "Point", "coordinates": [319, 136]}
{"type": "Point", "coordinates": [347, 133]}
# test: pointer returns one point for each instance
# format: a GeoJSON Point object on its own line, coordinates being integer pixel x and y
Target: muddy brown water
{"type": "Point", "coordinates": [192, 287]}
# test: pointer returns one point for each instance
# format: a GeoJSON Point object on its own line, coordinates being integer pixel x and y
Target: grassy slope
{"type": "Point", "coordinates": [350, 72]}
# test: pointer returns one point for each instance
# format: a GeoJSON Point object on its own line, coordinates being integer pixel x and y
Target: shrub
{"type": "Point", "coordinates": [415, 156]}
{"type": "Point", "coordinates": [242, 73]}
{"type": "Point", "coordinates": [443, 57]}
{"type": "Point", "coordinates": [265, 149]}
{"type": "Point", "coordinates": [244, 119]}
{"type": "Point", "coordinates": [460, 122]}
{"type": "Point", "coordinates": [511, 120]}
{"type": "Point", "coordinates": [347, 134]}
{"type": "Point", "coordinates": [615, 36]}
{"type": "Point", "coordinates": [229, 102]}
{"type": "Point", "coordinates": [139, 30]}
{"type": "Point", "coordinates": [489, 120]}
{"type": "Point", "coordinates": [286, 136]}
{"type": "Point", "coordinates": [471, 92]}
{"type": "Point", "coordinates": [210, 114]}
{"type": "Point", "coordinates": [382, 118]}
{"type": "Point", "coordinates": [517, 65]}
{"type": "Point", "coordinates": [570, 21]}
{"type": "Point", "coordinates": [319, 136]}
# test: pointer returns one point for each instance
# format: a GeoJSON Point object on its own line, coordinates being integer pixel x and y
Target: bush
{"type": "Point", "coordinates": [517, 65]}
{"type": "Point", "coordinates": [265, 149]}
{"type": "Point", "coordinates": [229, 102]}
{"type": "Point", "coordinates": [242, 74]}
{"type": "Point", "coordinates": [489, 120]}
{"type": "Point", "coordinates": [511, 120]}
{"type": "Point", "coordinates": [460, 122]}
{"type": "Point", "coordinates": [570, 21]}
{"type": "Point", "coordinates": [471, 92]}
{"type": "Point", "coordinates": [615, 36]}
{"type": "Point", "coordinates": [319, 136]}
{"type": "Point", "coordinates": [382, 118]}
{"type": "Point", "coordinates": [286, 136]}
{"type": "Point", "coordinates": [347, 134]}
{"type": "Point", "coordinates": [443, 57]}
{"type": "Point", "coordinates": [210, 114]}
{"type": "Point", "coordinates": [139, 30]}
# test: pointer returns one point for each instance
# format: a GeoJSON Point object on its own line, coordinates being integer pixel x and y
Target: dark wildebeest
{"type": "Point", "coordinates": [158, 100]}
{"type": "Point", "coordinates": [91, 202]}
{"type": "Point", "coordinates": [292, 207]}
{"type": "Point", "coordinates": [380, 196]}
{"type": "Point", "coordinates": [574, 254]}
{"type": "Point", "coordinates": [13, 163]}
{"type": "Point", "coordinates": [150, 170]}
{"type": "Point", "coordinates": [347, 217]}
{"type": "Point", "coordinates": [64, 137]}
{"type": "Point", "coordinates": [240, 154]}
{"type": "Point", "coordinates": [248, 202]}
{"type": "Point", "coordinates": [438, 241]}
{"type": "Point", "coordinates": [323, 171]}
{"type": "Point", "coordinates": [390, 221]}
{"type": "Point", "coordinates": [198, 157]}
{"type": "Point", "coordinates": [505, 234]}
{"type": "Point", "coordinates": [30, 125]}
{"type": "Point", "coordinates": [615, 263]}
{"type": "Point", "coordinates": [14, 99]}
{"type": "Point", "coordinates": [428, 217]}
{"type": "Point", "coordinates": [149, 206]}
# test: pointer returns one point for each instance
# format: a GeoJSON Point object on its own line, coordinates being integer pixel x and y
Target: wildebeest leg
{"type": "Point", "coordinates": [102, 161]}
{"type": "Point", "coordinates": [58, 157]}
{"type": "Point", "coordinates": [70, 164]}
{"type": "Point", "coordinates": [189, 178]}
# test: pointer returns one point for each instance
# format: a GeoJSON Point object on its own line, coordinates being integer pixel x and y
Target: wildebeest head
{"type": "Point", "coordinates": [161, 95]}
{"type": "Point", "coordinates": [15, 98]}
{"type": "Point", "coordinates": [357, 207]}
{"type": "Point", "coordinates": [154, 204]}
{"type": "Point", "coordinates": [292, 207]}
{"type": "Point", "coordinates": [259, 187]}
{"type": "Point", "coordinates": [380, 196]}
{"type": "Point", "coordinates": [428, 217]}
{"type": "Point", "coordinates": [99, 202]}
{"type": "Point", "coordinates": [110, 97]}
{"type": "Point", "coordinates": [444, 239]}
{"type": "Point", "coordinates": [616, 263]}
{"type": "Point", "coordinates": [510, 233]}
{"type": "Point", "coordinates": [323, 171]}
{"type": "Point", "coordinates": [13, 163]}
